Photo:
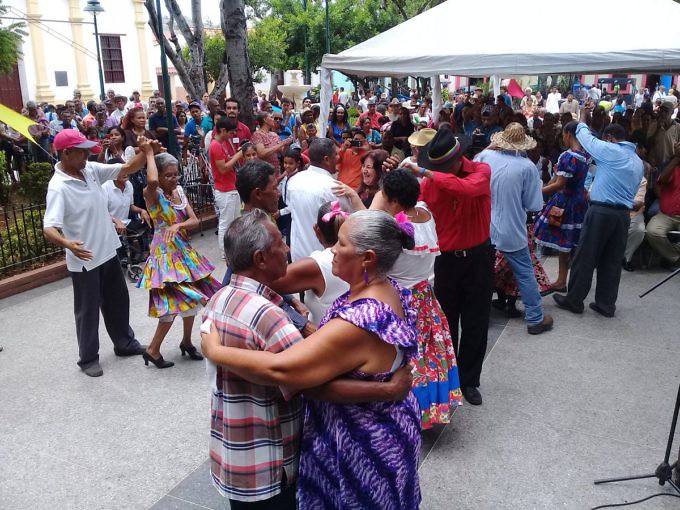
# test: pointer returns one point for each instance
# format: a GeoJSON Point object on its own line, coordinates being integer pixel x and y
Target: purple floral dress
{"type": "Point", "coordinates": [364, 455]}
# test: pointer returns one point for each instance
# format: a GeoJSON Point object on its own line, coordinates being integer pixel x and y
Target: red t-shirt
{"type": "Point", "coordinates": [374, 119]}
{"type": "Point", "coordinates": [669, 194]}
{"type": "Point", "coordinates": [223, 151]}
{"type": "Point", "coordinates": [461, 206]}
{"type": "Point", "coordinates": [349, 168]}
{"type": "Point", "coordinates": [243, 132]}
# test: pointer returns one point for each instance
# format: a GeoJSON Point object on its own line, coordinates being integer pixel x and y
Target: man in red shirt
{"type": "Point", "coordinates": [669, 217]}
{"type": "Point", "coordinates": [233, 108]}
{"type": "Point", "coordinates": [372, 114]}
{"type": "Point", "coordinates": [225, 155]}
{"type": "Point", "coordinates": [458, 193]}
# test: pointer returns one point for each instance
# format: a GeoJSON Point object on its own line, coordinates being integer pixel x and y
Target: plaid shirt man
{"type": "Point", "coordinates": [255, 433]}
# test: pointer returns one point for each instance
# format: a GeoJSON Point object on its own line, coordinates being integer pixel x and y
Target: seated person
{"type": "Point", "coordinates": [119, 197]}
{"type": "Point", "coordinates": [668, 219]}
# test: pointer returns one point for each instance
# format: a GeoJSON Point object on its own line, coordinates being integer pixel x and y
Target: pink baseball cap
{"type": "Point", "coordinates": [74, 139]}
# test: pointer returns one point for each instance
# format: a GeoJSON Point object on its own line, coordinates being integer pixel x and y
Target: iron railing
{"type": "Point", "coordinates": [22, 244]}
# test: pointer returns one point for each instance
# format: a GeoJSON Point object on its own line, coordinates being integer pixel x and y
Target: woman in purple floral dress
{"type": "Point", "coordinates": [362, 455]}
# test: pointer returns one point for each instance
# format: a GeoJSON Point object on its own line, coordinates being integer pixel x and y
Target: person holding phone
{"type": "Point", "coordinates": [351, 154]}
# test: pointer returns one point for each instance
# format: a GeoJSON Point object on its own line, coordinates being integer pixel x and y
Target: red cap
{"type": "Point", "coordinates": [72, 138]}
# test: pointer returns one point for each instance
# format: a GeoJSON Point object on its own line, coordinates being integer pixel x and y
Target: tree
{"type": "Point", "coordinates": [234, 28]}
{"type": "Point", "coordinates": [10, 41]}
{"type": "Point", "coordinates": [191, 66]}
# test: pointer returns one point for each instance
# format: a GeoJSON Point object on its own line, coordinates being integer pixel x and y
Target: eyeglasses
{"type": "Point", "coordinates": [278, 118]}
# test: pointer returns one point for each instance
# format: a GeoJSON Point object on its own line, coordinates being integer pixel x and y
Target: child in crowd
{"type": "Point", "coordinates": [249, 151]}
{"type": "Point", "coordinates": [292, 164]}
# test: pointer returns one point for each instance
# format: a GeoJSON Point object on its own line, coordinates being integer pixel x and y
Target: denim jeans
{"type": "Point", "coordinates": [523, 269]}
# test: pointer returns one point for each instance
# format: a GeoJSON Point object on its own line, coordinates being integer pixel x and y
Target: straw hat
{"type": "Point", "coordinates": [513, 138]}
{"type": "Point", "coordinates": [422, 138]}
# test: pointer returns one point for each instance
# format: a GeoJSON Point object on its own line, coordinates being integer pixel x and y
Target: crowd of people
{"type": "Point", "coordinates": [360, 266]}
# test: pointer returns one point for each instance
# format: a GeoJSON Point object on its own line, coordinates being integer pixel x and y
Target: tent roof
{"type": "Point", "coordinates": [592, 37]}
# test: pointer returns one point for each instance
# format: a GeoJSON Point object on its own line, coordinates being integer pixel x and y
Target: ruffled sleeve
{"type": "Point", "coordinates": [567, 165]}
{"type": "Point", "coordinates": [378, 318]}
{"type": "Point", "coordinates": [427, 242]}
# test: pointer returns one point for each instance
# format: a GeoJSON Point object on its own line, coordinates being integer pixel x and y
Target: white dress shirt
{"type": "Point", "coordinates": [119, 202]}
{"type": "Point", "coordinates": [79, 208]}
{"type": "Point", "coordinates": [307, 191]}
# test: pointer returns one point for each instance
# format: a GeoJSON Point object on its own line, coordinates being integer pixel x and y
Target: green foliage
{"type": "Point", "coordinates": [277, 39]}
{"type": "Point", "coordinates": [352, 115]}
{"type": "Point", "coordinates": [22, 238]}
{"type": "Point", "coordinates": [10, 42]}
{"type": "Point", "coordinates": [34, 181]}
{"type": "Point", "coordinates": [445, 94]}
{"type": "Point", "coordinates": [5, 183]}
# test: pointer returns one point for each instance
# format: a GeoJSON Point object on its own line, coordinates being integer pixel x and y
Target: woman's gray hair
{"type": "Point", "coordinates": [164, 160]}
{"type": "Point", "coordinates": [378, 231]}
{"type": "Point", "coordinates": [246, 235]}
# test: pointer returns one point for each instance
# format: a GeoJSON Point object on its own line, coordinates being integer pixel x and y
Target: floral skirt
{"type": "Point", "coordinates": [435, 376]}
{"type": "Point", "coordinates": [505, 279]}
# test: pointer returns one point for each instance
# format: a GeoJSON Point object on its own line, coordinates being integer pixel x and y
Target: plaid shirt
{"type": "Point", "coordinates": [255, 432]}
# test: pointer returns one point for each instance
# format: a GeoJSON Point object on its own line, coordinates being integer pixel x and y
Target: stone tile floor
{"type": "Point", "coordinates": [591, 399]}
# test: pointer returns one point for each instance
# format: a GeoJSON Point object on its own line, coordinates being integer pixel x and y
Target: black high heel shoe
{"type": "Point", "coordinates": [191, 351]}
{"type": "Point", "coordinates": [159, 362]}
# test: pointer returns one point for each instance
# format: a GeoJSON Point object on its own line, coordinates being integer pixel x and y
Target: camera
{"type": "Point", "coordinates": [355, 143]}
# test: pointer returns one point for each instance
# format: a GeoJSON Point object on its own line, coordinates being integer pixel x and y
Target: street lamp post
{"type": "Point", "coordinates": [94, 7]}
{"type": "Point", "coordinates": [328, 30]}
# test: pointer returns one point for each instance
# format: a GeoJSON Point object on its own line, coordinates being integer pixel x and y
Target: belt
{"type": "Point", "coordinates": [611, 206]}
{"type": "Point", "coordinates": [469, 252]}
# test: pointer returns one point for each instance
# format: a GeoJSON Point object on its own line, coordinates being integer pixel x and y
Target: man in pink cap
{"type": "Point", "coordinates": [77, 219]}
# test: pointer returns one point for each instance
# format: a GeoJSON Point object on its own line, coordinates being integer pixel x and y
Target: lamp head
{"type": "Point", "coordinates": [93, 6]}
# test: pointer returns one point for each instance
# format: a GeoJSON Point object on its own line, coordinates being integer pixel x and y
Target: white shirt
{"type": "Point", "coordinates": [79, 209]}
{"type": "Point", "coordinates": [119, 202]}
{"type": "Point", "coordinates": [658, 95]}
{"type": "Point", "coordinates": [417, 265]}
{"type": "Point", "coordinates": [343, 97]}
{"type": "Point", "coordinates": [307, 191]}
{"type": "Point", "coordinates": [118, 115]}
{"type": "Point", "coordinates": [363, 104]}
{"type": "Point", "coordinates": [552, 104]}
{"type": "Point", "coordinates": [335, 287]}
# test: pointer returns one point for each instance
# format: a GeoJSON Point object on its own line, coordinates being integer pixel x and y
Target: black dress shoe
{"type": "Point", "coordinates": [597, 308]}
{"type": "Point", "coordinates": [191, 351]}
{"type": "Point", "coordinates": [134, 351]}
{"type": "Point", "coordinates": [93, 369]}
{"type": "Point", "coordinates": [472, 395]}
{"type": "Point", "coordinates": [562, 302]}
{"type": "Point", "coordinates": [159, 361]}
{"type": "Point", "coordinates": [628, 266]}
{"type": "Point", "coordinates": [541, 327]}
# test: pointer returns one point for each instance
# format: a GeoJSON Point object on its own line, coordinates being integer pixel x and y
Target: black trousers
{"type": "Point", "coordinates": [463, 287]}
{"type": "Point", "coordinates": [102, 288]}
{"type": "Point", "coordinates": [601, 246]}
{"type": "Point", "coordinates": [282, 501]}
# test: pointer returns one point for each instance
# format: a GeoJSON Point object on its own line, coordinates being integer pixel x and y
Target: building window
{"type": "Point", "coordinates": [112, 59]}
{"type": "Point", "coordinates": [61, 78]}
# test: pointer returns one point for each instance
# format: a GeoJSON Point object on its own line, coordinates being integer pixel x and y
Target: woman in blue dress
{"type": "Point", "coordinates": [559, 224]}
{"type": "Point", "coordinates": [338, 123]}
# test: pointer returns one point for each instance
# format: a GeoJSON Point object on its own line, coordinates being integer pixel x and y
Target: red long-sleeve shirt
{"type": "Point", "coordinates": [461, 206]}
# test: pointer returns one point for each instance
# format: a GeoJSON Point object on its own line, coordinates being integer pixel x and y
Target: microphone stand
{"type": "Point", "coordinates": [664, 471]}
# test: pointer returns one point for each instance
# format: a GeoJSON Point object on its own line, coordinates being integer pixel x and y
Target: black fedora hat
{"type": "Point", "coordinates": [443, 151]}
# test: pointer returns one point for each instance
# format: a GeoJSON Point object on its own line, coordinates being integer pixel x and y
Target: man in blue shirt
{"type": "Point", "coordinates": [605, 228]}
{"type": "Point", "coordinates": [194, 125]}
{"type": "Point", "coordinates": [158, 123]}
{"type": "Point", "coordinates": [516, 190]}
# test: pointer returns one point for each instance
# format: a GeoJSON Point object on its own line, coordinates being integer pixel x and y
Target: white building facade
{"type": "Point", "coordinates": [60, 55]}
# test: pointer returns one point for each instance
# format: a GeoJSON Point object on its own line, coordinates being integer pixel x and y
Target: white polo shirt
{"type": "Point", "coordinates": [307, 191]}
{"type": "Point", "coordinates": [79, 209]}
{"type": "Point", "coordinates": [118, 201]}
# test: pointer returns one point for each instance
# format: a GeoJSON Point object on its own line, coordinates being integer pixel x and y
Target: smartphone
{"type": "Point", "coordinates": [355, 143]}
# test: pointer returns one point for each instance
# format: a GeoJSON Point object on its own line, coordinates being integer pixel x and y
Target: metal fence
{"type": "Point", "coordinates": [22, 244]}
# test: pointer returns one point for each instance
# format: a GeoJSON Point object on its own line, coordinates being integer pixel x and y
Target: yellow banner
{"type": "Point", "coordinates": [16, 121]}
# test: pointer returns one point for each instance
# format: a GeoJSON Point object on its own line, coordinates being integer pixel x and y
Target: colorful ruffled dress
{"type": "Point", "coordinates": [364, 455]}
{"type": "Point", "coordinates": [573, 165]}
{"type": "Point", "coordinates": [177, 276]}
{"type": "Point", "coordinates": [436, 383]}
{"type": "Point", "coordinates": [505, 278]}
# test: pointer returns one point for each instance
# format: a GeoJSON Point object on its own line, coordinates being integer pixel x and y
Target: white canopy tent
{"type": "Point", "coordinates": [633, 36]}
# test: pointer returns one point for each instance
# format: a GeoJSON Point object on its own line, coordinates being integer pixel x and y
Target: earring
{"type": "Point", "coordinates": [365, 276]}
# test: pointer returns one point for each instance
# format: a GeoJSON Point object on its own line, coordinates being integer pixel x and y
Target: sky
{"type": "Point", "coordinates": [211, 9]}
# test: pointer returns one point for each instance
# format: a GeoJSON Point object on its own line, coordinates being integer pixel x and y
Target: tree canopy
{"type": "Point", "coordinates": [10, 42]}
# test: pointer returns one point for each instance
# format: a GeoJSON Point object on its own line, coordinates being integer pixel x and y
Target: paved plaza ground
{"type": "Point", "coordinates": [591, 399]}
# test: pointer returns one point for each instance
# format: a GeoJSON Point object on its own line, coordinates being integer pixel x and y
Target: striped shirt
{"type": "Point", "coordinates": [255, 432]}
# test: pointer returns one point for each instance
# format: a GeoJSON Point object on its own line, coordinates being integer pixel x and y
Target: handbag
{"type": "Point", "coordinates": [555, 216]}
